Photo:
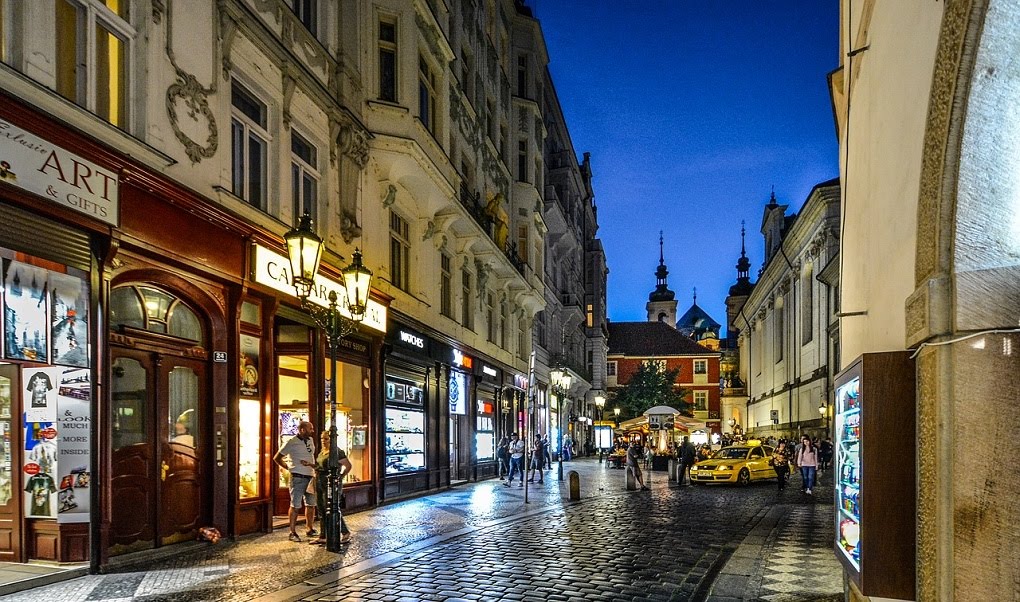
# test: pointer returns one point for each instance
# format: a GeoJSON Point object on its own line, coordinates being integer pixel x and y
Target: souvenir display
{"type": "Point", "coordinates": [26, 320]}
{"type": "Point", "coordinates": [69, 318]}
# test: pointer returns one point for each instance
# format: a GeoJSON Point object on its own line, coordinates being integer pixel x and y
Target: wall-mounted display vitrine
{"type": "Point", "coordinates": [874, 478]}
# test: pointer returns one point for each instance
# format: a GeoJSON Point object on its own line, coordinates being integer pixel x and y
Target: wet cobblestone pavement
{"type": "Point", "coordinates": [481, 542]}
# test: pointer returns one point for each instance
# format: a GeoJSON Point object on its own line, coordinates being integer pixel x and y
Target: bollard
{"type": "Point", "coordinates": [575, 486]}
{"type": "Point", "coordinates": [671, 469]}
{"type": "Point", "coordinates": [631, 480]}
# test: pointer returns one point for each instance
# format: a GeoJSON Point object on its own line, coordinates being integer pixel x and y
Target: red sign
{"type": "Point", "coordinates": [48, 433]}
{"type": "Point", "coordinates": [31, 468]}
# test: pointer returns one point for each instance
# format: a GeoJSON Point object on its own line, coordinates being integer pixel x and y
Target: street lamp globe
{"type": "Point", "coordinates": [357, 280]}
{"type": "Point", "coordinates": [600, 402]}
{"type": "Point", "coordinates": [617, 412]}
{"type": "Point", "coordinates": [822, 409]}
{"type": "Point", "coordinates": [557, 375]}
{"type": "Point", "coordinates": [304, 248]}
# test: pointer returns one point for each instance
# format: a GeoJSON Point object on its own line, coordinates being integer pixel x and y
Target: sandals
{"type": "Point", "coordinates": [294, 537]}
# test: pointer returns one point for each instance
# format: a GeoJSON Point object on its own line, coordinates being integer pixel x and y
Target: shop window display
{"type": "Point", "coordinates": [248, 451]}
{"type": "Point", "coordinates": [352, 421]}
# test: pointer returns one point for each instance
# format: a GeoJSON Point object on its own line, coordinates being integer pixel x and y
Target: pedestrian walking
{"type": "Point", "coordinates": [516, 459]}
{"type": "Point", "coordinates": [548, 452]}
{"type": "Point", "coordinates": [322, 489]}
{"type": "Point", "coordinates": [807, 460]}
{"type": "Point", "coordinates": [649, 455]}
{"type": "Point", "coordinates": [687, 458]}
{"type": "Point", "coordinates": [503, 457]}
{"type": "Point", "coordinates": [566, 451]}
{"type": "Point", "coordinates": [781, 462]}
{"type": "Point", "coordinates": [300, 450]}
{"type": "Point", "coordinates": [634, 463]}
{"type": "Point", "coordinates": [537, 461]}
{"type": "Point", "coordinates": [825, 453]}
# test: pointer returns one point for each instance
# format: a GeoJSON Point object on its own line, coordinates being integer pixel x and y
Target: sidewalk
{"type": "Point", "coordinates": [271, 568]}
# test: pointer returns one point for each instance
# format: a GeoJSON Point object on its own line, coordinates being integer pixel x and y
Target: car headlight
{"type": "Point", "coordinates": [724, 467]}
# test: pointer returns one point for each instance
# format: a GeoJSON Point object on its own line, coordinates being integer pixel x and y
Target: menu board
{"type": "Point", "coordinates": [848, 470]}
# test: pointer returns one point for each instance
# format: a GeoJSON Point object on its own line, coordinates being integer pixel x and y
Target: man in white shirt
{"type": "Point", "coordinates": [300, 449]}
{"type": "Point", "coordinates": [516, 457]}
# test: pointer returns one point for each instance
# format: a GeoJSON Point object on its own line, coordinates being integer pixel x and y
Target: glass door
{"type": "Point", "coordinates": [293, 392]}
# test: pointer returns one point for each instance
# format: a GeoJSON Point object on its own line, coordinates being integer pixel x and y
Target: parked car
{"type": "Point", "coordinates": [735, 464]}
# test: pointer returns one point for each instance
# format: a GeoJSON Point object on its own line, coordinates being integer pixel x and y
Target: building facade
{"type": "Point", "coordinates": [175, 144]}
{"type": "Point", "coordinates": [931, 206]}
{"type": "Point", "coordinates": [782, 326]}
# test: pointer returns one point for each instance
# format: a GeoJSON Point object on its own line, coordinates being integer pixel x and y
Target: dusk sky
{"type": "Point", "coordinates": [692, 111]}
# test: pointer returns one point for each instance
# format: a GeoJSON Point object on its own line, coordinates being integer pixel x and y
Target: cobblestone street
{"type": "Point", "coordinates": [480, 542]}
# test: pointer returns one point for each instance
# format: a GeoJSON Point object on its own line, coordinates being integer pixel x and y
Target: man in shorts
{"type": "Point", "coordinates": [300, 450]}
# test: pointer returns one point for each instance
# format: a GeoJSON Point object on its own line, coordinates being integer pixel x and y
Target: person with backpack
{"type": "Point", "coordinates": [537, 461]}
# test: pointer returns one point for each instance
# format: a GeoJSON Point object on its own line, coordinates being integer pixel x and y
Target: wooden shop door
{"type": "Point", "coordinates": [10, 465]}
{"type": "Point", "coordinates": [160, 449]}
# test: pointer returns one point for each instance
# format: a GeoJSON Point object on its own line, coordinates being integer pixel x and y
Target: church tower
{"type": "Point", "coordinates": [739, 292]}
{"type": "Point", "coordinates": [661, 305]}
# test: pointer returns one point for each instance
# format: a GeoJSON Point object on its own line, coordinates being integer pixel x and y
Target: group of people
{"type": "Point", "coordinates": [510, 457]}
{"type": "Point", "coordinates": [309, 483]}
{"type": "Point", "coordinates": [809, 455]}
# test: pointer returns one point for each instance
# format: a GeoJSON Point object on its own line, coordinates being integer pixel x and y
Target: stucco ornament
{"type": "Point", "coordinates": [196, 100]}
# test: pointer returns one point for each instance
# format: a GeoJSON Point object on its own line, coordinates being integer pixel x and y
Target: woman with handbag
{"type": "Point", "coordinates": [781, 462]}
{"type": "Point", "coordinates": [322, 488]}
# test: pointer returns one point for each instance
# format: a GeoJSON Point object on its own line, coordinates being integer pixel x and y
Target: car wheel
{"type": "Point", "coordinates": [744, 478]}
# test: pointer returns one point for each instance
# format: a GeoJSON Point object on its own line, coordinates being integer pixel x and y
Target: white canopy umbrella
{"type": "Point", "coordinates": [661, 410]}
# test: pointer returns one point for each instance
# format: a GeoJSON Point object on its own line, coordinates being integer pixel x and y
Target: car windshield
{"type": "Point", "coordinates": [731, 453]}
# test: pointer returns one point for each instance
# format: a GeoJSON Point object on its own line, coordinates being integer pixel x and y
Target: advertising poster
{"type": "Point", "coordinates": [69, 320]}
{"type": "Point", "coordinates": [249, 366]}
{"type": "Point", "coordinates": [74, 418]}
{"type": "Point", "coordinates": [26, 320]}
{"type": "Point", "coordinates": [40, 393]}
{"type": "Point", "coordinates": [458, 393]}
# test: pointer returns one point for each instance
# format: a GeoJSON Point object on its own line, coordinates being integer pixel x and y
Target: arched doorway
{"type": "Point", "coordinates": [159, 394]}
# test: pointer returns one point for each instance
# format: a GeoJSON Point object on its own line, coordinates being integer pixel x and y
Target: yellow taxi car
{"type": "Point", "coordinates": [735, 464]}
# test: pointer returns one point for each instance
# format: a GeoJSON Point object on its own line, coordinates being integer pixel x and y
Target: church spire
{"type": "Point", "coordinates": [661, 292]}
{"type": "Point", "coordinates": [743, 285]}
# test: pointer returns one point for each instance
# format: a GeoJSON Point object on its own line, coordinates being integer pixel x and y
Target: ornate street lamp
{"type": "Point", "coordinates": [561, 385]}
{"type": "Point", "coordinates": [305, 251]}
{"type": "Point", "coordinates": [616, 412]}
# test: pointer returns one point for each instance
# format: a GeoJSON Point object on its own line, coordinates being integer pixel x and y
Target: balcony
{"type": "Point", "coordinates": [472, 203]}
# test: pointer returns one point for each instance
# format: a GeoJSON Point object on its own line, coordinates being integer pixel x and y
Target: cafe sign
{"type": "Point", "coordinates": [272, 269]}
{"type": "Point", "coordinates": [57, 175]}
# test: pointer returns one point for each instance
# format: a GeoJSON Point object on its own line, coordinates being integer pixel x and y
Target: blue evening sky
{"type": "Point", "coordinates": [692, 110]}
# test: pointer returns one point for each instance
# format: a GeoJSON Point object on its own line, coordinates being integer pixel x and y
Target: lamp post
{"type": "Point", "coordinates": [560, 384]}
{"type": "Point", "coordinates": [823, 409]}
{"type": "Point", "coordinates": [600, 404]}
{"type": "Point", "coordinates": [305, 251]}
{"type": "Point", "coordinates": [616, 412]}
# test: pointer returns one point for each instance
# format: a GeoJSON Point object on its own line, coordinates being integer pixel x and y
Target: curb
{"type": "Point", "coordinates": [735, 579]}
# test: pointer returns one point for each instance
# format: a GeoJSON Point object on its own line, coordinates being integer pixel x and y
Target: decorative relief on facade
{"type": "Point", "coordinates": [289, 85]}
{"type": "Point", "coordinates": [158, 10]}
{"type": "Point", "coordinates": [475, 137]}
{"type": "Point", "coordinates": [927, 478]}
{"type": "Point", "coordinates": [955, 21]}
{"type": "Point", "coordinates": [390, 197]}
{"type": "Point", "coordinates": [351, 139]}
{"type": "Point", "coordinates": [195, 98]}
{"type": "Point", "coordinates": [429, 34]}
{"type": "Point", "coordinates": [228, 30]}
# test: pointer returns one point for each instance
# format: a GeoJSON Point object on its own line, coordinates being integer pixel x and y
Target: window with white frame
{"type": "Point", "coordinates": [807, 304]}
{"type": "Point", "coordinates": [304, 176]}
{"type": "Point", "coordinates": [779, 335]}
{"type": "Point", "coordinates": [307, 13]}
{"type": "Point", "coordinates": [490, 315]}
{"type": "Point", "coordinates": [701, 366]}
{"type": "Point", "coordinates": [502, 323]}
{"type": "Point", "coordinates": [466, 316]}
{"type": "Point", "coordinates": [249, 139]}
{"type": "Point", "coordinates": [388, 60]}
{"type": "Point", "coordinates": [93, 52]}
{"type": "Point", "coordinates": [657, 365]}
{"type": "Point", "coordinates": [445, 286]}
{"type": "Point", "coordinates": [400, 252]}
{"type": "Point", "coordinates": [701, 401]}
{"type": "Point", "coordinates": [427, 96]}
{"type": "Point", "coordinates": [610, 368]}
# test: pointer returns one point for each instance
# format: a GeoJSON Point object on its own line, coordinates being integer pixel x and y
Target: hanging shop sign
{"type": "Point", "coordinates": [462, 361]}
{"type": "Point", "coordinates": [57, 175]}
{"type": "Point", "coordinates": [458, 392]}
{"type": "Point", "coordinates": [521, 381]}
{"type": "Point", "coordinates": [273, 270]}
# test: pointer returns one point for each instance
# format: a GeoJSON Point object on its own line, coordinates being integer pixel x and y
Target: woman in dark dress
{"type": "Point", "coordinates": [322, 488]}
